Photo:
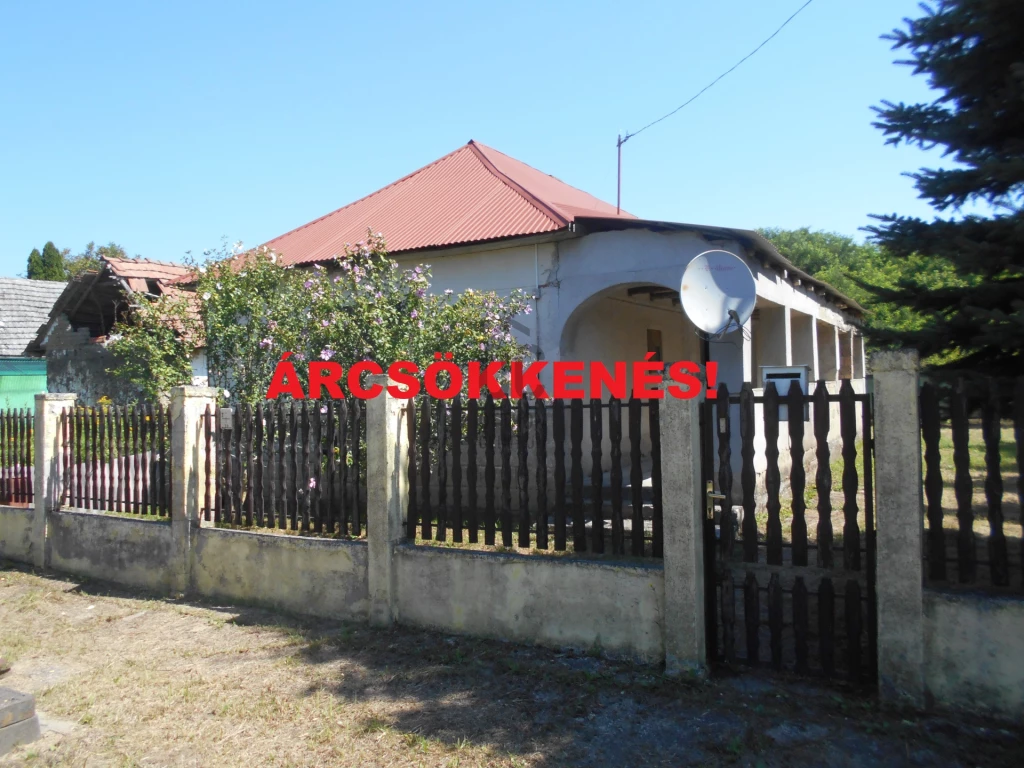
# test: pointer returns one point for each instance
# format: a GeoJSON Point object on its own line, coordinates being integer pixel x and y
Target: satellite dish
{"type": "Point", "coordinates": [718, 292]}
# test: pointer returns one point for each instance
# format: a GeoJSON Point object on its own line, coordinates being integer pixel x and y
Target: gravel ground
{"type": "Point", "coordinates": [125, 680]}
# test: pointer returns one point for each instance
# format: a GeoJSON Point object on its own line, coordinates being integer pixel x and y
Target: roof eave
{"type": "Point", "coordinates": [749, 238]}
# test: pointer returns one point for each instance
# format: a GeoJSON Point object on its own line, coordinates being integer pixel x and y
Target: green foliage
{"type": "Point", "coordinates": [849, 267]}
{"type": "Point", "coordinates": [48, 265]}
{"type": "Point", "coordinates": [155, 344]}
{"type": "Point", "coordinates": [970, 50]}
{"type": "Point", "coordinates": [250, 309]}
{"type": "Point", "coordinates": [61, 266]}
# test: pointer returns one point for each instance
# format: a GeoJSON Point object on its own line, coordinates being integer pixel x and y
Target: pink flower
{"type": "Point", "coordinates": [326, 354]}
{"type": "Point", "coordinates": [312, 483]}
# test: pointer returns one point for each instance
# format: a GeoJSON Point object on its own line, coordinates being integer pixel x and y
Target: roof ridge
{"type": "Point", "coordinates": [141, 260]}
{"type": "Point", "coordinates": [531, 198]}
{"type": "Point", "coordinates": [376, 192]}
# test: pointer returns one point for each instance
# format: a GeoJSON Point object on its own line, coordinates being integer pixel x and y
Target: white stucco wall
{"type": "Point", "coordinates": [569, 275]}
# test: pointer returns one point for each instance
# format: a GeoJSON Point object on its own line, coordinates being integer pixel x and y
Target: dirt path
{"type": "Point", "coordinates": [135, 681]}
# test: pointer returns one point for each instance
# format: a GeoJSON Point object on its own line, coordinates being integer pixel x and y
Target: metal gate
{"type": "Point", "coordinates": [790, 550]}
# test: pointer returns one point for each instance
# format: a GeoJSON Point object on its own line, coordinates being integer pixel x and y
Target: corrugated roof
{"type": "Point", "coordinates": [24, 308]}
{"type": "Point", "coordinates": [473, 194]}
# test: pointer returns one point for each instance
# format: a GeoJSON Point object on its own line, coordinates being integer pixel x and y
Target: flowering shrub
{"type": "Point", "coordinates": [363, 306]}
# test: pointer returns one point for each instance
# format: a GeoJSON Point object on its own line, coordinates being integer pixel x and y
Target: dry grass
{"type": "Point", "coordinates": [165, 682]}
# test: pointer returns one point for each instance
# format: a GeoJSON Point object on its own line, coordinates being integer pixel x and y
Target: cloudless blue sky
{"type": "Point", "coordinates": [166, 126]}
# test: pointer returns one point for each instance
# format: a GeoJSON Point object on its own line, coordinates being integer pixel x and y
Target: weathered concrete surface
{"type": "Point", "coordinates": [136, 553]}
{"type": "Point", "coordinates": [534, 599]}
{"type": "Point", "coordinates": [48, 450]}
{"type": "Point", "coordinates": [23, 732]}
{"type": "Point", "coordinates": [76, 364]}
{"type": "Point", "coordinates": [972, 649]}
{"type": "Point", "coordinates": [900, 528]}
{"type": "Point", "coordinates": [16, 534]}
{"type": "Point", "coordinates": [188, 475]}
{"type": "Point", "coordinates": [683, 514]}
{"type": "Point", "coordinates": [316, 577]}
{"type": "Point", "coordinates": [18, 721]}
{"type": "Point", "coordinates": [387, 496]}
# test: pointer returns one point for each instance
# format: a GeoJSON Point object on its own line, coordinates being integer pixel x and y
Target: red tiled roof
{"type": "Point", "coordinates": [145, 269]}
{"type": "Point", "coordinates": [471, 195]}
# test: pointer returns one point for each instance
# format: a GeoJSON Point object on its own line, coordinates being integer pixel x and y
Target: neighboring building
{"type": "Point", "coordinates": [24, 308]}
{"type": "Point", "coordinates": [74, 337]}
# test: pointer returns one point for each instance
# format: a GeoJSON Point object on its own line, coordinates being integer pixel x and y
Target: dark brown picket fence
{"type": "Point", "coordinates": [802, 602]}
{"type": "Point", "coordinates": [291, 467]}
{"type": "Point", "coordinates": [463, 454]}
{"type": "Point", "coordinates": [973, 437]}
{"type": "Point", "coordinates": [16, 456]}
{"type": "Point", "coordinates": [117, 459]}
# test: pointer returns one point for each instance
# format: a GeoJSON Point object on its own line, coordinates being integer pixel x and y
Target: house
{"type": "Point", "coordinates": [75, 334]}
{"type": "Point", "coordinates": [24, 308]}
{"type": "Point", "coordinates": [606, 282]}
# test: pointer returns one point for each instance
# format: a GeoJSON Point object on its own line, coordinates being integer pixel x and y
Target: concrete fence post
{"type": "Point", "coordinates": [387, 495]}
{"type": "Point", "coordinates": [46, 475]}
{"type": "Point", "coordinates": [682, 515]}
{"type": "Point", "coordinates": [899, 528]}
{"type": "Point", "coordinates": [188, 475]}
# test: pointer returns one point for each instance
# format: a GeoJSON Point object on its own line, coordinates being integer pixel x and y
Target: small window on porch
{"type": "Point", "coordinates": [654, 344]}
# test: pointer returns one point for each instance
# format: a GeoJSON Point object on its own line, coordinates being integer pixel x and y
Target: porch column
{"type": "Point", "coordinates": [816, 366]}
{"type": "Point", "coordinates": [748, 349]}
{"type": "Point", "coordinates": [787, 315]}
{"type": "Point", "coordinates": [683, 535]}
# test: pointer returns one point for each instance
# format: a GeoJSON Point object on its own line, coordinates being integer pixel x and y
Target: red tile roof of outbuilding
{"type": "Point", "coordinates": [473, 194]}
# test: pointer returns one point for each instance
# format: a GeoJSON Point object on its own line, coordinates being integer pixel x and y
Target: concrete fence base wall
{"type": "Point", "coordinates": [135, 553]}
{"type": "Point", "coordinates": [317, 577]}
{"type": "Point", "coordinates": [16, 533]}
{"type": "Point", "coordinates": [972, 650]}
{"type": "Point", "coordinates": [546, 600]}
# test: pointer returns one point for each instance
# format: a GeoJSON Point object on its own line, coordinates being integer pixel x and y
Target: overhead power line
{"type": "Point", "coordinates": [623, 139]}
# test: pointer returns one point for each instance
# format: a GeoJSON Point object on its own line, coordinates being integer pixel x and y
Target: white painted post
{"type": "Point", "coordinates": [387, 495]}
{"type": "Point", "coordinates": [748, 350]}
{"type": "Point", "coordinates": [899, 528]}
{"type": "Point", "coordinates": [787, 318]}
{"type": "Point", "coordinates": [682, 526]}
{"type": "Point", "coordinates": [188, 475]}
{"type": "Point", "coordinates": [816, 367]}
{"type": "Point", "coordinates": [46, 474]}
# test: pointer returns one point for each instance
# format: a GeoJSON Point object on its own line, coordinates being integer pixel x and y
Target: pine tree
{"type": "Point", "coordinates": [973, 54]}
{"type": "Point", "coordinates": [48, 265]}
{"type": "Point", "coordinates": [35, 265]}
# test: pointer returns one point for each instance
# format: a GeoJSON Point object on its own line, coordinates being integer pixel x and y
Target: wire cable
{"type": "Point", "coordinates": [628, 136]}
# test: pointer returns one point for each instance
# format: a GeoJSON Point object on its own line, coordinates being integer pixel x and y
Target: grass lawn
{"type": "Point", "coordinates": [146, 681]}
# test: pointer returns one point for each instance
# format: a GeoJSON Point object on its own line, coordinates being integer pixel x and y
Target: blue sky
{"type": "Point", "coordinates": [166, 127]}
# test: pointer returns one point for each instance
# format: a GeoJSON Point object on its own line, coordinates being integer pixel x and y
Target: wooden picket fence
{"type": "Point", "coordinates": [798, 602]}
{"type": "Point", "coordinates": [17, 453]}
{"type": "Point", "coordinates": [117, 459]}
{"type": "Point", "coordinates": [288, 466]}
{"type": "Point", "coordinates": [463, 454]}
{"type": "Point", "coordinates": [955, 417]}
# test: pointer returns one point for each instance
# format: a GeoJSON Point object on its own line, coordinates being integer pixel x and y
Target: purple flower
{"type": "Point", "coordinates": [272, 325]}
{"type": "Point", "coordinates": [527, 310]}
{"type": "Point", "coordinates": [323, 409]}
{"type": "Point", "coordinates": [378, 321]}
{"type": "Point", "coordinates": [421, 293]}
{"type": "Point", "coordinates": [482, 346]}
{"type": "Point", "coordinates": [326, 354]}
{"type": "Point", "coordinates": [308, 284]}
{"type": "Point", "coordinates": [414, 314]}
{"type": "Point", "coordinates": [266, 343]}
{"type": "Point", "coordinates": [418, 270]}
{"type": "Point", "coordinates": [325, 323]}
